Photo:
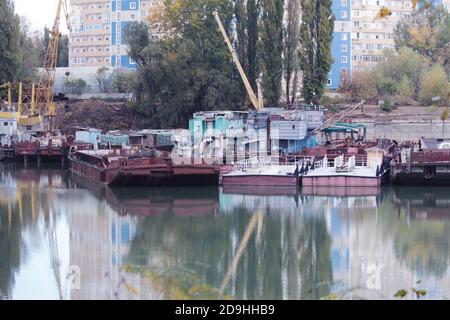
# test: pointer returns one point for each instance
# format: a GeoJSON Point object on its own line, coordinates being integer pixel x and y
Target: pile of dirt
{"type": "Point", "coordinates": [106, 116]}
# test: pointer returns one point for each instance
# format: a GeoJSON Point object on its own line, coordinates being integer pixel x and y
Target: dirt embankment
{"type": "Point", "coordinates": [106, 116]}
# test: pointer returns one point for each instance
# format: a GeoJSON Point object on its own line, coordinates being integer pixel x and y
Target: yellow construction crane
{"type": "Point", "coordinates": [257, 101]}
{"type": "Point", "coordinates": [44, 90]}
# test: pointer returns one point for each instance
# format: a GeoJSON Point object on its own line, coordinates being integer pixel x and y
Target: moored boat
{"type": "Point", "coordinates": [139, 167]}
{"type": "Point", "coordinates": [349, 173]}
{"type": "Point", "coordinates": [264, 172]}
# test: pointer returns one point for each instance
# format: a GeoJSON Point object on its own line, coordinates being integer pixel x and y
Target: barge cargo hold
{"type": "Point", "coordinates": [121, 167]}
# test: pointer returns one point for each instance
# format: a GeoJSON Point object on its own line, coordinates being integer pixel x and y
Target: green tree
{"type": "Point", "coordinates": [189, 70]}
{"type": "Point", "coordinates": [101, 76]}
{"type": "Point", "coordinates": [434, 86]}
{"type": "Point", "coordinates": [427, 33]}
{"type": "Point", "coordinates": [291, 47]}
{"type": "Point", "coordinates": [31, 46]}
{"type": "Point", "coordinates": [404, 90]}
{"type": "Point", "coordinates": [123, 81]}
{"type": "Point", "coordinates": [75, 86]}
{"type": "Point", "coordinates": [316, 31]}
{"type": "Point", "coordinates": [272, 49]}
{"type": "Point", "coordinates": [403, 63]}
{"type": "Point", "coordinates": [138, 35]}
{"type": "Point", "coordinates": [252, 41]}
{"type": "Point", "coordinates": [10, 52]}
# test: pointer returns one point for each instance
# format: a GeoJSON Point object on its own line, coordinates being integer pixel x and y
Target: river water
{"type": "Point", "coordinates": [61, 238]}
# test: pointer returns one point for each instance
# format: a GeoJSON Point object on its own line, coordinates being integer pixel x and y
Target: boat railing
{"type": "Point", "coordinates": [258, 162]}
{"type": "Point", "coordinates": [322, 163]}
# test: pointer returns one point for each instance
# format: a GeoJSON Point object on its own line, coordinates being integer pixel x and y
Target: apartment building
{"type": "Point", "coordinates": [90, 39]}
{"type": "Point", "coordinates": [359, 39]}
{"type": "Point", "coordinates": [98, 35]}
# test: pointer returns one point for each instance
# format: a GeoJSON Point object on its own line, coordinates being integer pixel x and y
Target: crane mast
{"type": "Point", "coordinates": [44, 90]}
{"type": "Point", "coordinates": [256, 100]}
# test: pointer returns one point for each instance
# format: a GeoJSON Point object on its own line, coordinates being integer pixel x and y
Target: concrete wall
{"type": "Point", "coordinates": [408, 130]}
{"type": "Point", "coordinates": [85, 73]}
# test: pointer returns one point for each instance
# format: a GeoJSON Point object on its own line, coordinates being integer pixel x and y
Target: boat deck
{"type": "Point", "coordinates": [331, 172]}
{"type": "Point", "coordinates": [269, 170]}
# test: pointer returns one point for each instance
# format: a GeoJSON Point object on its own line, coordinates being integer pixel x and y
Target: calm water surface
{"type": "Point", "coordinates": [61, 238]}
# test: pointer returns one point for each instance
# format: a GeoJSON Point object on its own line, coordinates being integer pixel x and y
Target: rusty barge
{"type": "Point", "coordinates": [424, 163]}
{"type": "Point", "coordinates": [139, 167]}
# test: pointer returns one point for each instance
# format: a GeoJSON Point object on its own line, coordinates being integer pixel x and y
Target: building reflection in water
{"type": "Point", "coordinates": [250, 243]}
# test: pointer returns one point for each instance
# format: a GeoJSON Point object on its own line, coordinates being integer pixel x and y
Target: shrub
{"type": "Point", "coordinates": [404, 90]}
{"type": "Point", "coordinates": [76, 86]}
{"type": "Point", "coordinates": [434, 86]}
{"type": "Point", "coordinates": [387, 105]}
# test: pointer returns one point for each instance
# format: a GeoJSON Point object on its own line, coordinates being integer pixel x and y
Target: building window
{"type": "Point", "coordinates": [133, 5]}
{"type": "Point", "coordinates": [343, 59]}
{"type": "Point", "coordinates": [343, 14]}
{"type": "Point", "coordinates": [343, 48]}
{"type": "Point", "coordinates": [343, 3]}
{"type": "Point", "coordinates": [329, 82]}
{"type": "Point", "coordinates": [343, 36]}
{"type": "Point", "coordinates": [343, 70]}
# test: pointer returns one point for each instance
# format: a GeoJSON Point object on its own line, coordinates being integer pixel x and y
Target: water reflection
{"type": "Point", "coordinates": [64, 238]}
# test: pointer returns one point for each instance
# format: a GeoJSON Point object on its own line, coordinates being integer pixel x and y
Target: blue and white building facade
{"type": "Point", "coordinates": [123, 13]}
{"type": "Point", "coordinates": [97, 38]}
{"type": "Point", "coordinates": [341, 46]}
{"type": "Point", "coordinates": [359, 39]}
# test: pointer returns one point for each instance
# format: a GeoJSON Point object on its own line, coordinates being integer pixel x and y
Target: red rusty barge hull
{"type": "Point", "coordinates": [142, 171]}
{"type": "Point", "coordinates": [259, 180]}
{"type": "Point", "coordinates": [340, 181]}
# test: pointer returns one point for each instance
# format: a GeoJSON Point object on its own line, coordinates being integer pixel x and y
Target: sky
{"type": "Point", "coordinates": [39, 13]}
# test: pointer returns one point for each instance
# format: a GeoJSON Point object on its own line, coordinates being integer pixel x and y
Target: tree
{"type": "Point", "coordinates": [404, 90]}
{"type": "Point", "coordinates": [252, 41]}
{"type": "Point", "coordinates": [272, 49]}
{"type": "Point", "coordinates": [10, 52]}
{"type": "Point", "coordinates": [404, 63]}
{"type": "Point", "coordinates": [31, 46]}
{"type": "Point", "coordinates": [76, 86]}
{"type": "Point", "coordinates": [123, 81]}
{"type": "Point", "coordinates": [138, 35]}
{"type": "Point", "coordinates": [291, 49]}
{"type": "Point", "coordinates": [316, 31]}
{"type": "Point", "coordinates": [190, 69]}
{"type": "Point", "coordinates": [359, 86]}
{"type": "Point", "coordinates": [101, 77]}
{"type": "Point", "coordinates": [426, 32]}
{"type": "Point", "coordinates": [434, 86]}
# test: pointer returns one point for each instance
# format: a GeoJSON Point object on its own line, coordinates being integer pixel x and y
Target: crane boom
{"type": "Point", "coordinates": [44, 90]}
{"type": "Point", "coordinates": [339, 117]}
{"type": "Point", "coordinates": [256, 101]}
